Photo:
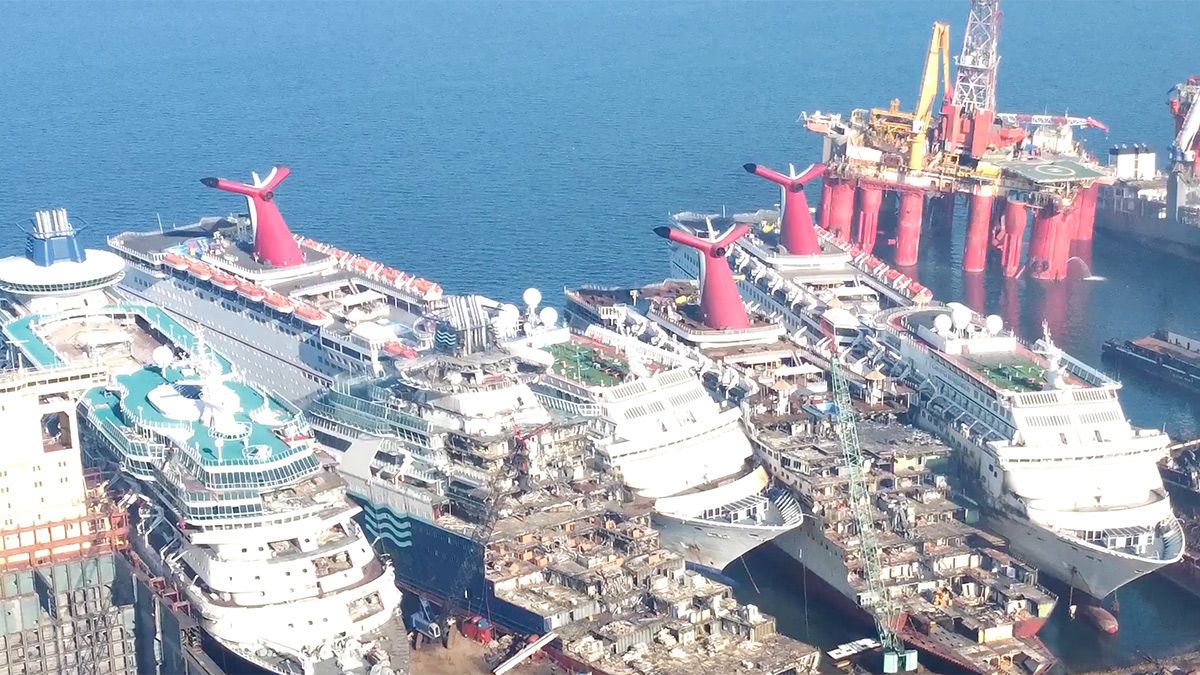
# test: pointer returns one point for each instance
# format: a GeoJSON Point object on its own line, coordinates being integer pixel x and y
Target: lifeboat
{"type": "Point", "coordinates": [389, 275]}
{"type": "Point", "coordinates": [312, 315]}
{"type": "Point", "coordinates": [250, 291]}
{"type": "Point", "coordinates": [400, 350]}
{"type": "Point", "coordinates": [279, 303]}
{"type": "Point", "coordinates": [421, 285]}
{"type": "Point", "coordinates": [892, 275]}
{"type": "Point", "coordinates": [900, 282]}
{"type": "Point", "coordinates": [175, 260]}
{"type": "Point", "coordinates": [199, 270]}
{"type": "Point", "coordinates": [362, 264]}
{"type": "Point", "coordinates": [223, 280]}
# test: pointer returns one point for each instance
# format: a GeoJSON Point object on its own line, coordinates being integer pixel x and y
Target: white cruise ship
{"type": "Point", "coordinates": [1044, 445]}
{"type": "Point", "coordinates": [1047, 449]}
{"type": "Point", "coordinates": [236, 510]}
{"type": "Point", "coordinates": [288, 311]}
{"type": "Point", "coordinates": [669, 440]}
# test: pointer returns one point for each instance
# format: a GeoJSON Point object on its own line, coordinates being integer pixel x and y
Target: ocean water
{"type": "Point", "coordinates": [496, 146]}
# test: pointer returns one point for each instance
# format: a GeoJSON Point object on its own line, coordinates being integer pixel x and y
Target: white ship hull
{"type": "Point", "coordinates": [713, 545]}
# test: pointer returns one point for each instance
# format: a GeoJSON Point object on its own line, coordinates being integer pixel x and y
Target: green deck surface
{"type": "Point", "coordinates": [1019, 377]}
{"type": "Point", "coordinates": [588, 365]}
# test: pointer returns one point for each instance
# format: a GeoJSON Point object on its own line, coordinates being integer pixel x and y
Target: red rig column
{"type": "Point", "coordinates": [1061, 252]}
{"type": "Point", "coordinates": [869, 199]}
{"type": "Point", "coordinates": [837, 207]}
{"type": "Point", "coordinates": [1046, 224]}
{"type": "Point", "coordinates": [908, 227]}
{"type": "Point", "coordinates": [720, 303]}
{"type": "Point", "coordinates": [796, 232]}
{"type": "Point", "coordinates": [979, 221]}
{"type": "Point", "coordinates": [273, 241]}
{"type": "Point", "coordinates": [1015, 217]}
{"type": "Point", "coordinates": [1087, 213]}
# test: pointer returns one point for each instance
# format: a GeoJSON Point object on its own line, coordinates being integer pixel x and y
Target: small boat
{"type": "Point", "coordinates": [312, 315]}
{"type": "Point", "coordinates": [175, 260]}
{"type": "Point", "coordinates": [279, 303]}
{"type": "Point", "coordinates": [250, 291]}
{"type": "Point", "coordinates": [1098, 617]}
{"type": "Point", "coordinates": [389, 275]}
{"type": "Point", "coordinates": [362, 264]}
{"type": "Point", "coordinates": [224, 281]}
{"type": "Point", "coordinates": [199, 270]}
{"type": "Point", "coordinates": [399, 349]}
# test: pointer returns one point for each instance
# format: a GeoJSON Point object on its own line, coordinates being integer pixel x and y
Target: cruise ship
{"type": "Point", "coordinates": [235, 508]}
{"type": "Point", "coordinates": [668, 438]}
{"type": "Point", "coordinates": [290, 312]}
{"type": "Point", "coordinates": [1025, 420]}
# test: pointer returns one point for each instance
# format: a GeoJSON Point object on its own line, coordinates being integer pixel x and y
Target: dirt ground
{"type": "Point", "coordinates": [1185, 664]}
{"type": "Point", "coordinates": [466, 657]}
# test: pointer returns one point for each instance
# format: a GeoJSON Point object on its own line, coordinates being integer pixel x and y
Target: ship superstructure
{"type": "Point", "coordinates": [1159, 209]}
{"type": "Point", "coordinates": [235, 508]}
{"type": "Point", "coordinates": [458, 435]}
{"type": "Point", "coordinates": [1043, 444]}
{"type": "Point", "coordinates": [289, 311]}
{"type": "Point", "coordinates": [668, 438]}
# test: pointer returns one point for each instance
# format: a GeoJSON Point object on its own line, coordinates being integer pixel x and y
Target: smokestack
{"type": "Point", "coordinates": [796, 232]}
{"type": "Point", "coordinates": [721, 305]}
{"type": "Point", "coordinates": [273, 241]}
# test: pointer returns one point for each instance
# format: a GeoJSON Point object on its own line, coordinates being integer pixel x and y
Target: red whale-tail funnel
{"type": "Point", "coordinates": [721, 305]}
{"type": "Point", "coordinates": [273, 241]}
{"type": "Point", "coordinates": [796, 224]}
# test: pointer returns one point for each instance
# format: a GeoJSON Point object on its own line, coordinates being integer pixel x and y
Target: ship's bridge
{"type": "Point", "coordinates": [54, 264]}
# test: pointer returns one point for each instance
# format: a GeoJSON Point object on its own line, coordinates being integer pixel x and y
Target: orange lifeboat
{"type": "Point", "coordinates": [892, 275]}
{"type": "Point", "coordinates": [362, 264]}
{"type": "Point", "coordinates": [312, 315]}
{"type": "Point", "coordinates": [279, 303]}
{"type": "Point", "coordinates": [389, 275]}
{"type": "Point", "coordinates": [250, 291]}
{"type": "Point", "coordinates": [199, 270]}
{"type": "Point", "coordinates": [400, 350]}
{"type": "Point", "coordinates": [175, 260]}
{"type": "Point", "coordinates": [422, 285]}
{"type": "Point", "coordinates": [224, 281]}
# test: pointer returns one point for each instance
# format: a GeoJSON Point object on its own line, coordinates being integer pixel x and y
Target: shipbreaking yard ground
{"type": "Point", "coordinates": [1183, 664]}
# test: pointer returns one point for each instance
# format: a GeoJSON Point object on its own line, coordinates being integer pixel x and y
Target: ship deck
{"type": "Point", "coordinates": [1157, 345]}
{"type": "Point", "coordinates": [590, 363]}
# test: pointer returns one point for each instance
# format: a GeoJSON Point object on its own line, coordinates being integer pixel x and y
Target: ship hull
{"type": "Point", "coordinates": [1094, 571]}
{"type": "Point", "coordinates": [712, 546]}
{"type": "Point", "coordinates": [1161, 234]}
{"type": "Point", "coordinates": [826, 579]}
{"type": "Point", "coordinates": [1120, 353]}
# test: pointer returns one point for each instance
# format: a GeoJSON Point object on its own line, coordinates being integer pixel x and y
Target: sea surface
{"type": "Point", "coordinates": [497, 146]}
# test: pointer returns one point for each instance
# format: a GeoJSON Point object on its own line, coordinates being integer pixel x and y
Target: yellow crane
{"type": "Point", "coordinates": [939, 45]}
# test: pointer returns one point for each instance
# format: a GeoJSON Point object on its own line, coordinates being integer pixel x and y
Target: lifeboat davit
{"type": "Point", "coordinates": [224, 281]}
{"type": "Point", "coordinates": [312, 315]}
{"type": "Point", "coordinates": [199, 270]}
{"type": "Point", "coordinates": [249, 290]}
{"type": "Point", "coordinates": [175, 260]}
{"type": "Point", "coordinates": [279, 303]}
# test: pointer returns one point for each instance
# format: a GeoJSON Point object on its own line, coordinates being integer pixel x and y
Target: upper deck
{"type": "Point", "coordinates": [990, 355]}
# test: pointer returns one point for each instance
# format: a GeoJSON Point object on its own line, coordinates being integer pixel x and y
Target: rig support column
{"type": "Point", "coordinates": [1087, 213]}
{"type": "Point", "coordinates": [1062, 240]}
{"type": "Point", "coordinates": [837, 207]}
{"type": "Point", "coordinates": [979, 219]}
{"type": "Point", "coordinates": [1015, 218]}
{"type": "Point", "coordinates": [1046, 226]}
{"type": "Point", "coordinates": [796, 232]}
{"type": "Point", "coordinates": [869, 199]}
{"type": "Point", "coordinates": [908, 227]}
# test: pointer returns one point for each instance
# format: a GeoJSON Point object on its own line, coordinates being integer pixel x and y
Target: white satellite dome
{"type": "Point", "coordinates": [994, 324]}
{"type": "Point", "coordinates": [532, 297]}
{"type": "Point", "coordinates": [454, 378]}
{"type": "Point", "coordinates": [942, 324]}
{"type": "Point", "coordinates": [960, 314]}
{"type": "Point", "coordinates": [548, 316]}
{"type": "Point", "coordinates": [510, 310]}
{"type": "Point", "coordinates": [163, 356]}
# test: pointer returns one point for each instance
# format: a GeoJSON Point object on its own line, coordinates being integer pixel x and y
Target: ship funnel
{"type": "Point", "coordinates": [273, 241]}
{"type": "Point", "coordinates": [52, 239]}
{"type": "Point", "coordinates": [721, 305]}
{"type": "Point", "coordinates": [796, 232]}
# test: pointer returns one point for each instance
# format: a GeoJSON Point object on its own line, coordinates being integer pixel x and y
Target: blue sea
{"type": "Point", "coordinates": [497, 146]}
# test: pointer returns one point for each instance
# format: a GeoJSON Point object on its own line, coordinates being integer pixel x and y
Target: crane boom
{"type": "Point", "coordinates": [939, 45]}
{"type": "Point", "coordinates": [882, 607]}
{"type": "Point", "coordinates": [1027, 120]}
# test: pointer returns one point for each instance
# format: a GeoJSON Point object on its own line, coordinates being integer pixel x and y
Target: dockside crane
{"type": "Point", "coordinates": [896, 657]}
{"type": "Point", "coordinates": [457, 597]}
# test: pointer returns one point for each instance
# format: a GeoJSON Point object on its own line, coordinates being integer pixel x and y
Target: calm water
{"type": "Point", "coordinates": [499, 146]}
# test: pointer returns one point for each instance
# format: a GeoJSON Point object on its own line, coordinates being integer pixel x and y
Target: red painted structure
{"type": "Point", "coordinates": [1047, 225]}
{"type": "Point", "coordinates": [1085, 226]}
{"type": "Point", "coordinates": [869, 199]}
{"type": "Point", "coordinates": [721, 305]}
{"type": "Point", "coordinates": [837, 207]}
{"type": "Point", "coordinates": [796, 232]}
{"type": "Point", "coordinates": [1015, 218]}
{"type": "Point", "coordinates": [979, 221]}
{"type": "Point", "coordinates": [273, 241]}
{"type": "Point", "coordinates": [908, 227]}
